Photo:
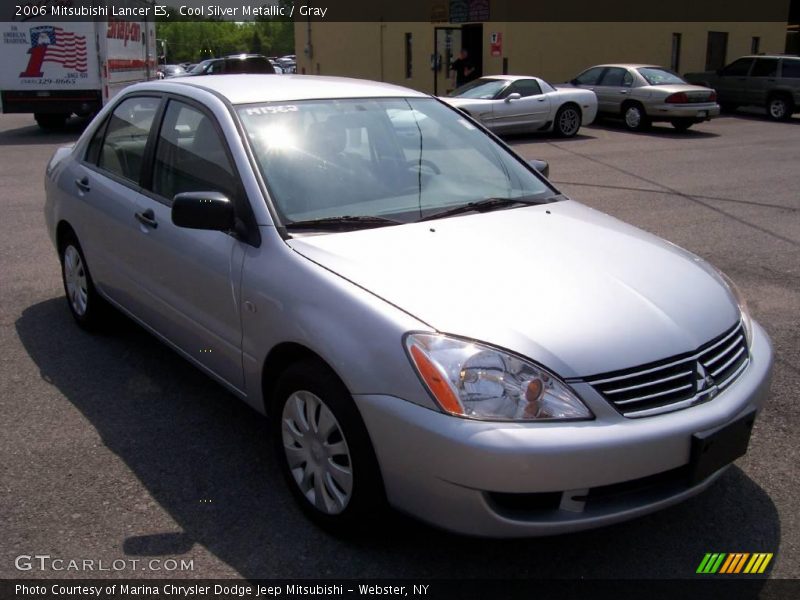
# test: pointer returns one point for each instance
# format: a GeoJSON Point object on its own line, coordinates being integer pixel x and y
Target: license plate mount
{"type": "Point", "coordinates": [714, 448]}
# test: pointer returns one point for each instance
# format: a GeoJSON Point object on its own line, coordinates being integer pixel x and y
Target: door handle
{"type": "Point", "coordinates": [83, 184]}
{"type": "Point", "coordinates": [623, 91]}
{"type": "Point", "coordinates": [541, 99]}
{"type": "Point", "coordinates": [147, 218]}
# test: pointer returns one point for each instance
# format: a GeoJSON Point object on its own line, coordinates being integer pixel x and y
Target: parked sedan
{"type": "Point", "coordinates": [643, 94]}
{"type": "Point", "coordinates": [772, 82]}
{"type": "Point", "coordinates": [426, 322]}
{"type": "Point", "coordinates": [513, 103]}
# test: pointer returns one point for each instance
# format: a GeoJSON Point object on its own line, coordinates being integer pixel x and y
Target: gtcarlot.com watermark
{"type": "Point", "coordinates": [46, 562]}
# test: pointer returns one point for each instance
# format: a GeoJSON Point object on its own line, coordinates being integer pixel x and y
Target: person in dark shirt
{"type": "Point", "coordinates": [464, 69]}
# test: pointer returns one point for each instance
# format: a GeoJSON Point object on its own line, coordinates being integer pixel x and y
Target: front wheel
{"type": "Point", "coordinates": [324, 449]}
{"type": "Point", "coordinates": [635, 117]}
{"type": "Point", "coordinates": [568, 121]}
{"type": "Point", "coordinates": [779, 108]}
{"type": "Point", "coordinates": [682, 124]}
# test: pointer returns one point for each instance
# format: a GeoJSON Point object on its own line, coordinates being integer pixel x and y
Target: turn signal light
{"type": "Point", "coordinates": [436, 381]}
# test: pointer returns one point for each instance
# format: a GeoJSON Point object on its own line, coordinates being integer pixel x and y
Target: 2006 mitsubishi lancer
{"type": "Point", "coordinates": [428, 322]}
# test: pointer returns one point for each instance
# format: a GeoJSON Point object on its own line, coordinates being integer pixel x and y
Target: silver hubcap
{"type": "Point", "coordinates": [75, 278]}
{"type": "Point", "coordinates": [633, 117]}
{"type": "Point", "coordinates": [317, 452]}
{"type": "Point", "coordinates": [569, 121]}
{"type": "Point", "coordinates": [777, 109]}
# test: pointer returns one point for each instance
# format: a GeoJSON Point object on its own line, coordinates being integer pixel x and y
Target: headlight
{"type": "Point", "coordinates": [737, 295]}
{"type": "Point", "coordinates": [472, 380]}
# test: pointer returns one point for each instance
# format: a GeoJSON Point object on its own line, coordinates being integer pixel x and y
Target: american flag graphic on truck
{"type": "Point", "coordinates": [55, 45]}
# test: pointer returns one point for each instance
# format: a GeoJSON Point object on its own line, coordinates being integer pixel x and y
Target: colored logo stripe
{"type": "Point", "coordinates": [733, 563]}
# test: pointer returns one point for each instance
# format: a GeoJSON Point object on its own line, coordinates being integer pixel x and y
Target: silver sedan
{"type": "Point", "coordinates": [428, 323]}
{"type": "Point", "coordinates": [643, 94]}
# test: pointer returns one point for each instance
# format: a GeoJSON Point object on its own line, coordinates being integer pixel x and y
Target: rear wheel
{"type": "Point", "coordinates": [51, 121]}
{"type": "Point", "coordinates": [568, 121]}
{"type": "Point", "coordinates": [682, 124]}
{"type": "Point", "coordinates": [324, 449]}
{"type": "Point", "coordinates": [635, 117]}
{"type": "Point", "coordinates": [779, 108]}
{"type": "Point", "coordinates": [87, 307]}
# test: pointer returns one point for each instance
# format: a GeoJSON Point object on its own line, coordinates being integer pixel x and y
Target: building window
{"type": "Point", "coordinates": [675, 62]}
{"type": "Point", "coordinates": [408, 55]}
{"type": "Point", "coordinates": [716, 50]}
{"type": "Point", "coordinates": [755, 45]}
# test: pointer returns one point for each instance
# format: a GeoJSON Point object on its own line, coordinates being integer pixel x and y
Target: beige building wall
{"type": "Point", "coordinates": [554, 51]}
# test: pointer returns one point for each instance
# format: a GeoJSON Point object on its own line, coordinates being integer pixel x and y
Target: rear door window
{"type": "Point", "coordinates": [616, 77]}
{"type": "Point", "coordinates": [765, 67]}
{"type": "Point", "coordinates": [126, 134]}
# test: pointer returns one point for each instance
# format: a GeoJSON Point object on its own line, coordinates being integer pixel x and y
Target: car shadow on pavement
{"type": "Point", "coordinates": [34, 135]}
{"type": "Point", "coordinates": [530, 137]}
{"type": "Point", "coordinates": [661, 130]}
{"type": "Point", "coordinates": [205, 458]}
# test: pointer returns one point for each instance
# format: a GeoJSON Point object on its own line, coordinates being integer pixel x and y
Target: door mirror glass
{"type": "Point", "coordinates": [513, 96]}
{"type": "Point", "coordinates": [203, 210]}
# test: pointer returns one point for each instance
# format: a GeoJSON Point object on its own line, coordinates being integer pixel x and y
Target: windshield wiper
{"type": "Point", "coordinates": [343, 222]}
{"type": "Point", "coordinates": [485, 205]}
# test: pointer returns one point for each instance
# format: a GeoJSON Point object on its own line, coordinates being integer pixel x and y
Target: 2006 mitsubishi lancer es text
{"type": "Point", "coordinates": [428, 322]}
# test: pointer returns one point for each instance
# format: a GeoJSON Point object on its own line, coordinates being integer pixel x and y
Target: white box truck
{"type": "Point", "coordinates": [54, 69]}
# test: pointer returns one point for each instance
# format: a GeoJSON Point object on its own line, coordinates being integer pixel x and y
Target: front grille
{"type": "Point", "coordinates": [678, 382]}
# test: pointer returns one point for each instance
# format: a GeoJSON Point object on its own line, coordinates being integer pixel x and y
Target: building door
{"type": "Point", "coordinates": [446, 44]}
{"type": "Point", "coordinates": [716, 50]}
{"type": "Point", "coordinates": [472, 42]}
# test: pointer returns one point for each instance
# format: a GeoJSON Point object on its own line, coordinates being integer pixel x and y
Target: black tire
{"type": "Point", "coordinates": [568, 121]}
{"type": "Point", "coordinates": [634, 123]}
{"type": "Point", "coordinates": [779, 108]}
{"type": "Point", "coordinates": [87, 307]}
{"type": "Point", "coordinates": [51, 121]}
{"type": "Point", "coordinates": [366, 504]}
{"type": "Point", "coordinates": [682, 124]}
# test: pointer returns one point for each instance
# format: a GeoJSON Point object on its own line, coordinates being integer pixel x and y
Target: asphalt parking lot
{"type": "Point", "coordinates": [113, 447]}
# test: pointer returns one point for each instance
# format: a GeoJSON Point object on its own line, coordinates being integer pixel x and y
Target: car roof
{"type": "Point", "coordinates": [509, 77]}
{"type": "Point", "coordinates": [251, 88]}
{"type": "Point", "coordinates": [631, 65]}
{"type": "Point", "coordinates": [794, 56]}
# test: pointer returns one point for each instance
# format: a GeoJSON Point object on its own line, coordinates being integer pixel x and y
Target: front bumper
{"type": "Point", "coordinates": [514, 479]}
{"type": "Point", "coordinates": [697, 112]}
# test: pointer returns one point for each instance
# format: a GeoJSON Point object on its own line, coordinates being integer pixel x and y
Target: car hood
{"type": "Point", "coordinates": [561, 283]}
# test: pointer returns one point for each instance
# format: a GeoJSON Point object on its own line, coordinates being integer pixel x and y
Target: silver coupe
{"type": "Point", "coordinates": [513, 104]}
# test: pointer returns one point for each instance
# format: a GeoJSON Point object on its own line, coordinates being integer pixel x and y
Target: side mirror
{"type": "Point", "coordinates": [573, 81]}
{"type": "Point", "coordinates": [540, 165]}
{"type": "Point", "coordinates": [513, 96]}
{"type": "Point", "coordinates": [203, 210]}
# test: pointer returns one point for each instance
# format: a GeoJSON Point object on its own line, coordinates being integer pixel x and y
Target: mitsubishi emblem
{"type": "Point", "coordinates": [703, 380]}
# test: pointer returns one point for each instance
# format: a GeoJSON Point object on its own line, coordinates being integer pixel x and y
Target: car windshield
{"type": "Point", "coordinates": [395, 158]}
{"type": "Point", "coordinates": [658, 76]}
{"type": "Point", "coordinates": [482, 89]}
{"type": "Point", "coordinates": [201, 66]}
